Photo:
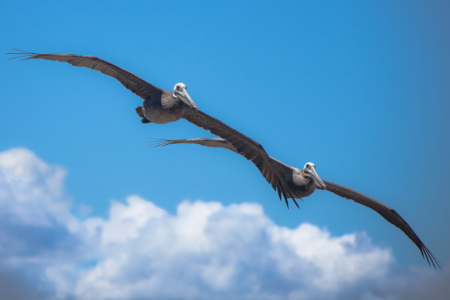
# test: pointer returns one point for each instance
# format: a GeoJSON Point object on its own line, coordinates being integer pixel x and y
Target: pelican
{"type": "Point", "coordinates": [161, 106]}
{"type": "Point", "coordinates": [303, 183]}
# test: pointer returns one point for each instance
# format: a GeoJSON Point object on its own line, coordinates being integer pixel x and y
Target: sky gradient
{"type": "Point", "coordinates": [360, 89]}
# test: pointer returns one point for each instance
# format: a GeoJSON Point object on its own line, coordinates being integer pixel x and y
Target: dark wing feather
{"type": "Point", "coordinates": [135, 84]}
{"type": "Point", "coordinates": [246, 147]}
{"type": "Point", "coordinates": [281, 167]}
{"type": "Point", "coordinates": [215, 143]}
{"type": "Point", "coordinates": [386, 212]}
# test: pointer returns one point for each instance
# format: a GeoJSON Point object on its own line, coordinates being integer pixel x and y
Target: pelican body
{"type": "Point", "coordinates": [161, 111]}
{"type": "Point", "coordinates": [303, 183]}
{"type": "Point", "coordinates": [167, 107]}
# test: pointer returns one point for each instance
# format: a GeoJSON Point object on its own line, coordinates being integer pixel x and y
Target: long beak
{"type": "Point", "coordinates": [184, 96]}
{"type": "Point", "coordinates": [319, 183]}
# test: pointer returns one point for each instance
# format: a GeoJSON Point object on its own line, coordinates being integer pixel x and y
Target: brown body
{"type": "Point", "coordinates": [164, 109]}
{"type": "Point", "coordinates": [299, 184]}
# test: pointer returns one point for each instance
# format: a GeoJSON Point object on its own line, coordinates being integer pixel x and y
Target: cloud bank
{"type": "Point", "coordinates": [204, 251]}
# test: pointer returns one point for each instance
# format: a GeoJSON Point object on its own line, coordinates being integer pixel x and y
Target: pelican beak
{"type": "Point", "coordinates": [319, 183]}
{"type": "Point", "coordinates": [184, 96]}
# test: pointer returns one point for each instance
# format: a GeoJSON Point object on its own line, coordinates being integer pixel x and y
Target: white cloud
{"type": "Point", "coordinates": [204, 251]}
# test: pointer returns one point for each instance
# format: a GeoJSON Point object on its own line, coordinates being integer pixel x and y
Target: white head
{"type": "Point", "coordinates": [310, 171]}
{"type": "Point", "coordinates": [309, 165]}
{"type": "Point", "coordinates": [179, 91]}
{"type": "Point", "coordinates": [179, 86]}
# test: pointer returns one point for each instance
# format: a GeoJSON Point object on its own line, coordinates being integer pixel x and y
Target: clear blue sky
{"type": "Point", "coordinates": [359, 88]}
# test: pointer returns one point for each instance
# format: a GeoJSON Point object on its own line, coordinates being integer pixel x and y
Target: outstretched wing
{"type": "Point", "coordinates": [135, 84]}
{"type": "Point", "coordinates": [218, 143]}
{"type": "Point", "coordinates": [386, 212]}
{"type": "Point", "coordinates": [215, 143]}
{"type": "Point", "coordinates": [239, 143]}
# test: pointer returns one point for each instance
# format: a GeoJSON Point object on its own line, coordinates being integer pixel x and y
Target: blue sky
{"type": "Point", "coordinates": [360, 89]}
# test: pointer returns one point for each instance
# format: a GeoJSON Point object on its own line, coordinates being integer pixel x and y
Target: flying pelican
{"type": "Point", "coordinates": [161, 106]}
{"type": "Point", "coordinates": [303, 183]}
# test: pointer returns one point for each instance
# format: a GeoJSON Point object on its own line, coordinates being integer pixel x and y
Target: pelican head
{"type": "Point", "coordinates": [310, 171]}
{"type": "Point", "coordinates": [179, 91]}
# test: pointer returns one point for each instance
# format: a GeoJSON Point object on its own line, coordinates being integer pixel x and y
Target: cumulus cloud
{"type": "Point", "coordinates": [203, 251]}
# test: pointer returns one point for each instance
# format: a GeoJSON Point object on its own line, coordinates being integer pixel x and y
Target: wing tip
{"type": "Point", "coordinates": [23, 55]}
{"type": "Point", "coordinates": [286, 192]}
{"type": "Point", "coordinates": [155, 143]}
{"type": "Point", "coordinates": [429, 257]}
